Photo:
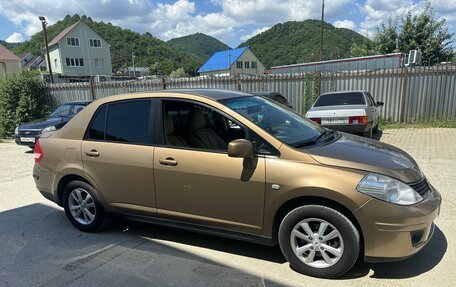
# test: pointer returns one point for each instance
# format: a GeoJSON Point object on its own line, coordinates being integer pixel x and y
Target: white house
{"type": "Point", "coordinates": [240, 61]}
{"type": "Point", "coordinates": [9, 63]}
{"type": "Point", "coordinates": [79, 51]}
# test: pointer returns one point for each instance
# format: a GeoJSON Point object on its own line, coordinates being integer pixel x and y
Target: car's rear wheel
{"type": "Point", "coordinates": [319, 241]}
{"type": "Point", "coordinates": [368, 134]}
{"type": "Point", "coordinates": [375, 130]}
{"type": "Point", "coordinates": [82, 207]}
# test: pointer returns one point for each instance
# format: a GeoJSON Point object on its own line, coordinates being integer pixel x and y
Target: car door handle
{"type": "Point", "coordinates": [168, 161]}
{"type": "Point", "coordinates": [92, 153]}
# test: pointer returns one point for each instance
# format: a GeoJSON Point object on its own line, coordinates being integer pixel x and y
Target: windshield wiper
{"type": "Point", "coordinates": [314, 140]}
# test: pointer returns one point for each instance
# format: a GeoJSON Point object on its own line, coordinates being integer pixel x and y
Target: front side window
{"type": "Point", "coordinates": [239, 64]}
{"type": "Point", "coordinates": [190, 125]}
{"type": "Point", "coordinates": [254, 65]}
{"type": "Point", "coordinates": [340, 99]}
{"type": "Point", "coordinates": [280, 122]}
{"type": "Point", "coordinates": [129, 122]}
{"type": "Point", "coordinates": [247, 64]}
{"type": "Point", "coordinates": [68, 110]}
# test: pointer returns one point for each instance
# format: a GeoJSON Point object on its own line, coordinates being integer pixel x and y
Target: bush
{"type": "Point", "coordinates": [22, 99]}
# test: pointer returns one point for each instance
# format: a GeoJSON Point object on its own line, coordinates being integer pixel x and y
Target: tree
{"type": "Point", "coordinates": [179, 73]}
{"type": "Point", "coordinates": [22, 99]}
{"type": "Point", "coordinates": [415, 32]}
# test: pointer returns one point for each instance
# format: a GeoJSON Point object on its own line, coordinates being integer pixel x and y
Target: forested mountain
{"type": "Point", "coordinates": [199, 44]}
{"type": "Point", "coordinates": [149, 51]}
{"type": "Point", "coordinates": [297, 42]}
{"type": "Point", "coordinates": [286, 43]}
{"type": "Point", "coordinates": [9, 46]}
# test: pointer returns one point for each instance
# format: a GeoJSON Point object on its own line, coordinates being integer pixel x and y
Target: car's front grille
{"type": "Point", "coordinates": [421, 186]}
{"type": "Point", "coordinates": [29, 132]}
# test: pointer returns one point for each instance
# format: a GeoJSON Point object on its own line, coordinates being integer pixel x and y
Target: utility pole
{"type": "Point", "coordinates": [133, 61]}
{"type": "Point", "coordinates": [229, 62]}
{"type": "Point", "coordinates": [43, 24]}
{"type": "Point", "coordinates": [321, 32]}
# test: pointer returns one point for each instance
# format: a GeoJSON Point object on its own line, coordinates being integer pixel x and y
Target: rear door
{"type": "Point", "coordinates": [118, 156]}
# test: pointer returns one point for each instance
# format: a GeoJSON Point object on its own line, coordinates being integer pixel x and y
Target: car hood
{"type": "Point", "coordinates": [356, 152]}
{"type": "Point", "coordinates": [42, 123]}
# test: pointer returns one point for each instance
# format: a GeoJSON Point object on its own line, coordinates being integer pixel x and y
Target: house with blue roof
{"type": "Point", "coordinates": [240, 61]}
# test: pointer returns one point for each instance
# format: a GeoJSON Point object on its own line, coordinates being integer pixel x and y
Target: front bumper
{"type": "Point", "coordinates": [393, 232]}
{"type": "Point", "coordinates": [17, 139]}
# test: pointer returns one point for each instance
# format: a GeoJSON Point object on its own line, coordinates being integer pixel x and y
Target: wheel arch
{"type": "Point", "coordinates": [63, 182]}
{"type": "Point", "coordinates": [293, 203]}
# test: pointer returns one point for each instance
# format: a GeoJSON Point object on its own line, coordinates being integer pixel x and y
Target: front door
{"type": "Point", "coordinates": [196, 181]}
{"type": "Point", "coordinates": [118, 157]}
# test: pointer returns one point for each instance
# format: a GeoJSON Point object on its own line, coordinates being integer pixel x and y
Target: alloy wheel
{"type": "Point", "coordinates": [81, 206]}
{"type": "Point", "coordinates": [317, 243]}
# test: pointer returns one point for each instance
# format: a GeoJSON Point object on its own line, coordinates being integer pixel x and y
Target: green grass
{"type": "Point", "coordinates": [385, 124]}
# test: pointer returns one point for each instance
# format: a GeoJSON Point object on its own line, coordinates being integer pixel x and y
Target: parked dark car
{"type": "Point", "coordinates": [276, 97]}
{"type": "Point", "coordinates": [28, 133]}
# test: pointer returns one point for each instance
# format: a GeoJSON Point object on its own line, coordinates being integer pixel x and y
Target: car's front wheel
{"type": "Point", "coordinates": [81, 206]}
{"type": "Point", "coordinates": [319, 241]}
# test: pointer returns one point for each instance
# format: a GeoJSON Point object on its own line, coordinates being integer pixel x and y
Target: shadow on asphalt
{"type": "Point", "coordinates": [40, 247]}
{"type": "Point", "coordinates": [139, 253]}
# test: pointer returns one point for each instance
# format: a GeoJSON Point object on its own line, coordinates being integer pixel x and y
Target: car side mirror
{"type": "Point", "coordinates": [380, 104]}
{"type": "Point", "coordinates": [242, 148]}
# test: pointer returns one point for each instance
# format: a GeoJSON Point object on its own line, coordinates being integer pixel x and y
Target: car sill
{"type": "Point", "coordinates": [201, 229]}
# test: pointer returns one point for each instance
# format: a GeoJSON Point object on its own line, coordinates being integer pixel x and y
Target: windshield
{"type": "Point", "coordinates": [340, 99]}
{"type": "Point", "coordinates": [68, 110]}
{"type": "Point", "coordinates": [282, 123]}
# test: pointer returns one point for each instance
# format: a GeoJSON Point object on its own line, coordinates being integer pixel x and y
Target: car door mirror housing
{"type": "Point", "coordinates": [380, 104]}
{"type": "Point", "coordinates": [240, 148]}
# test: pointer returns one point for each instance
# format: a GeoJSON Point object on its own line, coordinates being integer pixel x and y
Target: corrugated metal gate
{"type": "Point", "coordinates": [409, 94]}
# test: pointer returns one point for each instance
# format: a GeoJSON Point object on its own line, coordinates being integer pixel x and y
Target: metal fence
{"type": "Point", "coordinates": [409, 94]}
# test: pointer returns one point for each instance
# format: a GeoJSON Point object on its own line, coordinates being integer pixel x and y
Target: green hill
{"type": "Point", "coordinates": [149, 51]}
{"type": "Point", "coordinates": [9, 46]}
{"type": "Point", "coordinates": [199, 44]}
{"type": "Point", "coordinates": [298, 42]}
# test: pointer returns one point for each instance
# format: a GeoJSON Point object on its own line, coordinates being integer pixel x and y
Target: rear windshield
{"type": "Point", "coordinates": [340, 99]}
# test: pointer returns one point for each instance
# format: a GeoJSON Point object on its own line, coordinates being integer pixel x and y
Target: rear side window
{"type": "Point", "coordinates": [340, 99]}
{"type": "Point", "coordinates": [129, 122]}
{"type": "Point", "coordinates": [97, 127]}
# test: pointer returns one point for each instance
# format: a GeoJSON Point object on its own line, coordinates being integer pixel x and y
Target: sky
{"type": "Point", "coordinates": [231, 21]}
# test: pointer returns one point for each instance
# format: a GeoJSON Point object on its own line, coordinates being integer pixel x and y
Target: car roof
{"type": "Point", "coordinates": [77, 102]}
{"type": "Point", "coordinates": [268, 94]}
{"type": "Point", "coordinates": [214, 94]}
{"type": "Point", "coordinates": [345, 92]}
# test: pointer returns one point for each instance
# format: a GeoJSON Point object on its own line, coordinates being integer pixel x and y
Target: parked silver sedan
{"type": "Point", "coordinates": [347, 111]}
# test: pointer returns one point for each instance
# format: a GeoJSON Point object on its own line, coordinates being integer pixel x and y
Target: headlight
{"type": "Point", "coordinates": [388, 189]}
{"type": "Point", "coordinates": [48, 129]}
{"type": "Point", "coordinates": [16, 130]}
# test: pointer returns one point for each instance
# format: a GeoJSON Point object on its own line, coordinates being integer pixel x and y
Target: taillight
{"type": "Point", "coordinates": [316, 120]}
{"type": "Point", "coordinates": [38, 151]}
{"type": "Point", "coordinates": [357, 120]}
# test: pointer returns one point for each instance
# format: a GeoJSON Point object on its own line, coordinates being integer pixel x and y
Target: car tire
{"type": "Point", "coordinates": [368, 134]}
{"type": "Point", "coordinates": [375, 129]}
{"type": "Point", "coordinates": [90, 215]}
{"type": "Point", "coordinates": [293, 228]}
